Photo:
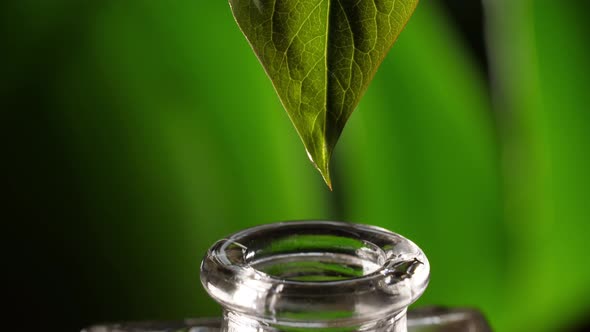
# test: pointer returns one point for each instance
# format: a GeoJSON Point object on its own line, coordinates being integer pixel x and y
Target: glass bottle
{"type": "Point", "coordinates": [320, 276]}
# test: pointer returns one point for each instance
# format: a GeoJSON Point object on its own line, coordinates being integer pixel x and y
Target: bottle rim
{"type": "Point", "coordinates": [397, 276]}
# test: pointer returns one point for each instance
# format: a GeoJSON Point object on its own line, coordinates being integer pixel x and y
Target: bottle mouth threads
{"type": "Point", "coordinates": [314, 272]}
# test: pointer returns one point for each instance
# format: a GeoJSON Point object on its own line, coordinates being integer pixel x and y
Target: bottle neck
{"type": "Point", "coordinates": [236, 322]}
{"type": "Point", "coordinates": [315, 276]}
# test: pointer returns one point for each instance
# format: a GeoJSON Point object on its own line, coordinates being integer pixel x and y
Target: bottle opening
{"type": "Point", "coordinates": [315, 257]}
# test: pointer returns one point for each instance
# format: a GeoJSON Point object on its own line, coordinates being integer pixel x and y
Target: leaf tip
{"type": "Point", "coordinates": [325, 172]}
{"type": "Point", "coordinates": [322, 164]}
{"type": "Point", "coordinates": [328, 180]}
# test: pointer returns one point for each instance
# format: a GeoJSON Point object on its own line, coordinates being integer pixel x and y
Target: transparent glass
{"type": "Point", "coordinates": [316, 276]}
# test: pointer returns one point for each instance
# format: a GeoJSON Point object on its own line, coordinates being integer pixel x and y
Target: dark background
{"type": "Point", "coordinates": [137, 134]}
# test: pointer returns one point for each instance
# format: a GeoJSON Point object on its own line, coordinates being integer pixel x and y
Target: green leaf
{"type": "Point", "coordinates": [321, 56]}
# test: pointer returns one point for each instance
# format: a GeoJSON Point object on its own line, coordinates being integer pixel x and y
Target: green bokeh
{"type": "Point", "coordinates": [171, 137]}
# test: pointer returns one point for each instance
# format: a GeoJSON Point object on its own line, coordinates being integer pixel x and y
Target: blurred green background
{"type": "Point", "coordinates": [139, 132]}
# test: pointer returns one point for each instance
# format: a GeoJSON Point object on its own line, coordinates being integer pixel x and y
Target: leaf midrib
{"type": "Point", "coordinates": [326, 90]}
